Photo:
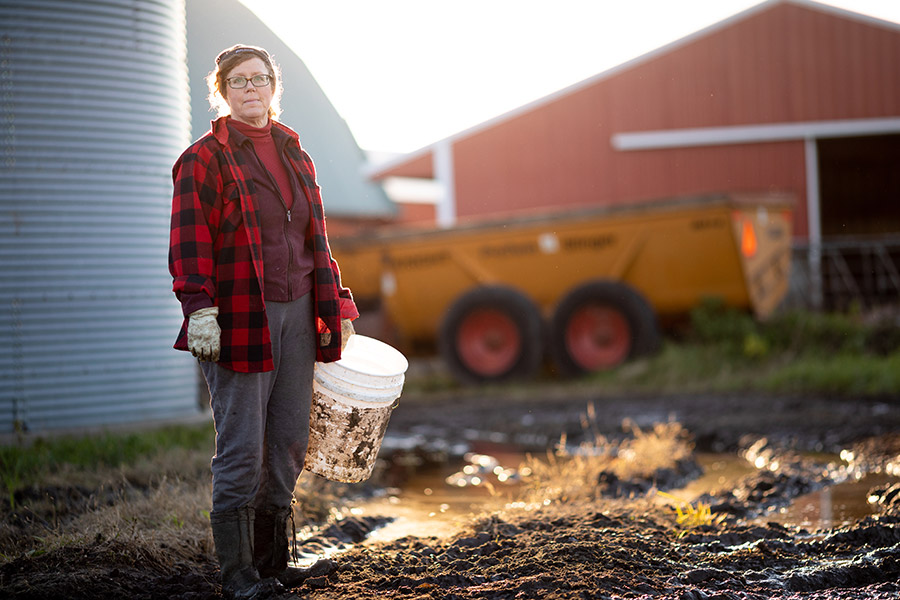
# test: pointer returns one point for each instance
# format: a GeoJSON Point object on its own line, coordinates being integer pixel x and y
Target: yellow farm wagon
{"type": "Point", "coordinates": [587, 289]}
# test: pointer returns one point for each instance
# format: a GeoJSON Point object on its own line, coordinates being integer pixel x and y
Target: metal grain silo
{"type": "Point", "coordinates": [95, 110]}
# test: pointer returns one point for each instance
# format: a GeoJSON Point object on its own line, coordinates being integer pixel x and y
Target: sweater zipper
{"type": "Point", "coordinates": [287, 241]}
{"type": "Point", "coordinates": [287, 238]}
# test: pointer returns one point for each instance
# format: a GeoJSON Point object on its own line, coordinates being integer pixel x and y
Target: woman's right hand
{"type": "Point", "coordinates": [204, 335]}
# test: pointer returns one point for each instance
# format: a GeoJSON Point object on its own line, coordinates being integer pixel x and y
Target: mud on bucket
{"type": "Point", "coordinates": [351, 404]}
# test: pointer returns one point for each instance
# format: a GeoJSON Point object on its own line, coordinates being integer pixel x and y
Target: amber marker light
{"type": "Point", "coordinates": [748, 239]}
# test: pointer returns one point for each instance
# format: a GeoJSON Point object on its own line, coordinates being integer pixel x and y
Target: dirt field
{"type": "Point", "coordinates": [617, 544]}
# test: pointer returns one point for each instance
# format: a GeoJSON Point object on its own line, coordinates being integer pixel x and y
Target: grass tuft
{"type": "Point", "coordinates": [690, 516]}
{"type": "Point", "coordinates": [571, 474]}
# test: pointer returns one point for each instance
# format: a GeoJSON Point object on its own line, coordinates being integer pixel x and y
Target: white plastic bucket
{"type": "Point", "coordinates": [351, 405]}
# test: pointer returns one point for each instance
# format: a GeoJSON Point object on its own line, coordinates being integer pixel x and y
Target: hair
{"type": "Point", "coordinates": [228, 60]}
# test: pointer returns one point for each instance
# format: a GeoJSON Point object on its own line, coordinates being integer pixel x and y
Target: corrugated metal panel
{"type": "Point", "coordinates": [95, 110]}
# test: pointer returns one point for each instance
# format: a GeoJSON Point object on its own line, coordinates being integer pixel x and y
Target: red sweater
{"type": "Point", "coordinates": [267, 152]}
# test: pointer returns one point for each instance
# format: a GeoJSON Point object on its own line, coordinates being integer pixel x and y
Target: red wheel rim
{"type": "Point", "coordinates": [598, 337]}
{"type": "Point", "coordinates": [488, 342]}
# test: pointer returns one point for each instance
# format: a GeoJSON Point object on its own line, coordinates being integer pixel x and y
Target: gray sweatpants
{"type": "Point", "coordinates": [262, 419]}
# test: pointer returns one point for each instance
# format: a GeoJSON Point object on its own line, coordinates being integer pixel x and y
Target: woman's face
{"type": "Point", "coordinates": [251, 104]}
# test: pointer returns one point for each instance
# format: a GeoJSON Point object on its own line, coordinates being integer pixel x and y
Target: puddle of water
{"type": "Point", "coordinates": [440, 501]}
{"type": "Point", "coordinates": [832, 506]}
{"type": "Point", "coordinates": [422, 515]}
{"type": "Point", "coordinates": [719, 470]}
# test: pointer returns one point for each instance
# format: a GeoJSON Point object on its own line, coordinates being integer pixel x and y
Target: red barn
{"type": "Point", "coordinates": [790, 96]}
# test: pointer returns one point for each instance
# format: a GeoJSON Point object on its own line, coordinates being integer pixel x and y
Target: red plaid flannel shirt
{"type": "Point", "coordinates": [215, 247]}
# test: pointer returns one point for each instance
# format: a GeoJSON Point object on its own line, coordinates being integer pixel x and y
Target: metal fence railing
{"type": "Point", "coordinates": [846, 272]}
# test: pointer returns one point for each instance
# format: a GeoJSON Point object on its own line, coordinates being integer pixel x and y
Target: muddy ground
{"type": "Point", "coordinates": [617, 544]}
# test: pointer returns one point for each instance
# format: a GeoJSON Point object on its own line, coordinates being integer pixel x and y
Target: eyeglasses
{"type": "Point", "coordinates": [239, 83]}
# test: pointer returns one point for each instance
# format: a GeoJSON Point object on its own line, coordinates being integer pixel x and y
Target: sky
{"type": "Point", "coordinates": [406, 73]}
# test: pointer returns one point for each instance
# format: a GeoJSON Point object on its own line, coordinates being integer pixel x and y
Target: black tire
{"type": "Point", "coordinates": [599, 325]}
{"type": "Point", "coordinates": [491, 334]}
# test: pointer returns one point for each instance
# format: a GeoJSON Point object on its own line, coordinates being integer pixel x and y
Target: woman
{"type": "Point", "coordinates": [262, 297]}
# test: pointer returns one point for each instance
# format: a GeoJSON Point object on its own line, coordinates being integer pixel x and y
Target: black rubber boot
{"type": "Point", "coordinates": [233, 536]}
{"type": "Point", "coordinates": [272, 550]}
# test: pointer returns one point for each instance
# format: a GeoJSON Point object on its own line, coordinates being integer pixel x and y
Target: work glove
{"type": "Point", "coordinates": [346, 331]}
{"type": "Point", "coordinates": [204, 334]}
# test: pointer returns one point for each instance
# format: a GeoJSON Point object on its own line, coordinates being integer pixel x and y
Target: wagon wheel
{"type": "Point", "coordinates": [600, 325]}
{"type": "Point", "coordinates": [491, 334]}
